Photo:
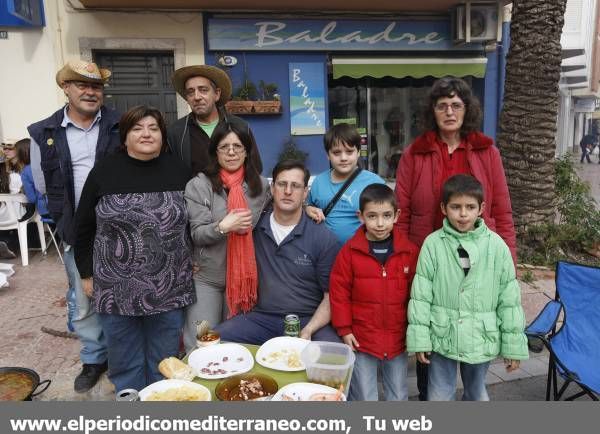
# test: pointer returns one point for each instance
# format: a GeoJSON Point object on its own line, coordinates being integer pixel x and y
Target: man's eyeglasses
{"type": "Point", "coordinates": [443, 107]}
{"type": "Point", "coordinates": [283, 185]}
{"type": "Point", "coordinates": [82, 85]}
{"type": "Point", "coordinates": [237, 148]}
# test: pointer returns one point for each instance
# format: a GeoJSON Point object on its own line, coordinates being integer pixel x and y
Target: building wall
{"type": "Point", "coordinates": [31, 57]}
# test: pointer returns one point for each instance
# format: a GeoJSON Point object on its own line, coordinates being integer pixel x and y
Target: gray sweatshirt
{"type": "Point", "coordinates": [206, 209]}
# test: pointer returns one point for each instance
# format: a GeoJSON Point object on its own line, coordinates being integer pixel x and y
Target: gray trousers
{"type": "Point", "coordinates": [210, 306]}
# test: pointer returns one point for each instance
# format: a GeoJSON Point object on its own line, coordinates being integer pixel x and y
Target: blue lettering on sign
{"type": "Point", "coordinates": [325, 35]}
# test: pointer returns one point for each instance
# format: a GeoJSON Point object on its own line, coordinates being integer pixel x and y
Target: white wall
{"type": "Point", "coordinates": [31, 57]}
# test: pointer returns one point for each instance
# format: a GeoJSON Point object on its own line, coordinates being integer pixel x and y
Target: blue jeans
{"type": "Point", "coordinates": [85, 321]}
{"type": "Point", "coordinates": [363, 386]}
{"type": "Point", "coordinates": [137, 344]}
{"type": "Point", "coordinates": [257, 328]}
{"type": "Point", "coordinates": [442, 379]}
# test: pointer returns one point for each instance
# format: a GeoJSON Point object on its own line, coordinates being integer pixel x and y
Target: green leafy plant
{"type": "Point", "coordinates": [291, 151]}
{"type": "Point", "coordinates": [527, 277]}
{"type": "Point", "coordinates": [575, 234]}
{"type": "Point", "coordinates": [246, 91]}
{"type": "Point", "coordinates": [268, 91]}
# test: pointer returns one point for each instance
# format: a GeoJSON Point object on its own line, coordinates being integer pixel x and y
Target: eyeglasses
{"type": "Point", "coordinates": [283, 185]}
{"type": "Point", "coordinates": [443, 107]}
{"type": "Point", "coordinates": [238, 148]}
{"type": "Point", "coordinates": [82, 85]}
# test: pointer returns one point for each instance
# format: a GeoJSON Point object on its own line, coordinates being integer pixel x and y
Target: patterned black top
{"type": "Point", "coordinates": [133, 237]}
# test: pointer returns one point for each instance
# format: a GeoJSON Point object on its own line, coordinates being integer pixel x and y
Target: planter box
{"type": "Point", "coordinates": [254, 107]}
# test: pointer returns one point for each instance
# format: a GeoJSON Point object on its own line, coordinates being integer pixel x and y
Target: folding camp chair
{"type": "Point", "coordinates": [574, 347]}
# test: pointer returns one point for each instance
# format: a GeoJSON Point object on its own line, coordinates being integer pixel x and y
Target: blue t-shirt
{"type": "Point", "coordinates": [342, 220]}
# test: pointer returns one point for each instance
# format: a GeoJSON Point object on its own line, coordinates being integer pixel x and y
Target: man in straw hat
{"type": "Point", "coordinates": [206, 89]}
{"type": "Point", "coordinates": [64, 148]}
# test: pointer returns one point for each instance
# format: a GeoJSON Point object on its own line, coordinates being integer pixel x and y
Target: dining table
{"type": "Point", "coordinates": [282, 378]}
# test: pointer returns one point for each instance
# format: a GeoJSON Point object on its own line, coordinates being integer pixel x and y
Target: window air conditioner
{"type": "Point", "coordinates": [483, 20]}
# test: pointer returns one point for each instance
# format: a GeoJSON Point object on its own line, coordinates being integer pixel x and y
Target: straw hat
{"type": "Point", "coordinates": [80, 70]}
{"type": "Point", "coordinates": [214, 74]}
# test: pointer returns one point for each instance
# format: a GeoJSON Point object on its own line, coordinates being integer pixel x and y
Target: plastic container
{"type": "Point", "coordinates": [328, 363]}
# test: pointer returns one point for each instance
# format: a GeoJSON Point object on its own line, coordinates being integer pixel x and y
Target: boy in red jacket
{"type": "Point", "coordinates": [369, 291]}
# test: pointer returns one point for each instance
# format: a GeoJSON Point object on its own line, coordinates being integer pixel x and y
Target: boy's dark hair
{"type": "Point", "coordinates": [341, 133]}
{"type": "Point", "coordinates": [289, 165]}
{"type": "Point", "coordinates": [378, 193]}
{"type": "Point", "coordinates": [449, 87]}
{"type": "Point", "coordinates": [462, 185]}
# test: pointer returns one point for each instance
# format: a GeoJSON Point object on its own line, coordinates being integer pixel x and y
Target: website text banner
{"type": "Point", "coordinates": [271, 34]}
{"type": "Point", "coordinates": [286, 417]}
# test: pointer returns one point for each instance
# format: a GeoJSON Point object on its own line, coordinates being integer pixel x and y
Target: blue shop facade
{"type": "Point", "coordinates": [307, 74]}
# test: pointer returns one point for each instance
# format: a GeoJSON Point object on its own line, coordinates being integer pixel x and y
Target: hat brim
{"type": "Point", "coordinates": [67, 74]}
{"type": "Point", "coordinates": [214, 74]}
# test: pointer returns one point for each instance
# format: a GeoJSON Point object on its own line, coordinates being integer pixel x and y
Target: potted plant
{"type": "Point", "coordinates": [291, 151]}
{"type": "Point", "coordinates": [248, 99]}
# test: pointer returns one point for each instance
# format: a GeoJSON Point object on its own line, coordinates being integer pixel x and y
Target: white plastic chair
{"type": "Point", "coordinates": [10, 221]}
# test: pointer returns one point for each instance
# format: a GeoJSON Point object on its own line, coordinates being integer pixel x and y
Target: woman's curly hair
{"type": "Point", "coordinates": [448, 87]}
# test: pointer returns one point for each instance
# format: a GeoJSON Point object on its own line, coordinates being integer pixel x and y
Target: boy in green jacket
{"type": "Point", "coordinates": [465, 305]}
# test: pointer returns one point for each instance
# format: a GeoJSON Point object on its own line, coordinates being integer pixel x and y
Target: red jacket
{"type": "Point", "coordinates": [369, 299]}
{"type": "Point", "coordinates": [419, 193]}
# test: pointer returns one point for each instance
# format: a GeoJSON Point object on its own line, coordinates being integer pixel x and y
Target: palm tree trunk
{"type": "Point", "coordinates": [528, 121]}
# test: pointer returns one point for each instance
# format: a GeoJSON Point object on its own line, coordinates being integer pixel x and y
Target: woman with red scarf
{"type": "Point", "coordinates": [224, 203]}
{"type": "Point", "coordinates": [451, 144]}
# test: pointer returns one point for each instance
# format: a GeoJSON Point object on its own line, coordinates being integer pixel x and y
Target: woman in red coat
{"type": "Point", "coordinates": [451, 145]}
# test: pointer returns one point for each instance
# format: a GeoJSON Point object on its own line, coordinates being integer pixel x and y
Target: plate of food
{"type": "Point", "coordinates": [308, 392]}
{"type": "Point", "coordinates": [175, 390]}
{"type": "Point", "coordinates": [221, 361]}
{"type": "Point", "coordinates": [282, 354]}
{"type": "Point", "coordinates": [246, 387]}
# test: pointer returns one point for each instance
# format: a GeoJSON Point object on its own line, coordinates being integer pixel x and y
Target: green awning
{"type": "Point", "coordinates": [414, 67]}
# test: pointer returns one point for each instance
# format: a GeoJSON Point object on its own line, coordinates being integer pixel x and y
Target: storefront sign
{"type": "Point", "coordinates": [585, 105]}
{"type": "Point", "coordinates": [307, 98]}
{"type": "Point", "coordinates": [331, 35]}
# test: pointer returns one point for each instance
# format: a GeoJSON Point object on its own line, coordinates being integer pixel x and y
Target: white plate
{"type": "Point", "coordinates": [161, 386]}
{"type": "Point", "coordinates": [221, 361]}
{"type": "Point", "coordinates": [302, 391]}
{"type": "Point", "coordinates": [274, 353]}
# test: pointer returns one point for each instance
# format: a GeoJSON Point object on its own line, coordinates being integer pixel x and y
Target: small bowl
{"type": "Point", "coordinates": [228, 390]}
{"type": "Point", "coordinates": [209, 338]}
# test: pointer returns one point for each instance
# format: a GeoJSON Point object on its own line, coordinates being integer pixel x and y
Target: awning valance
{"type": "Point", "coordinates": [408, 67]}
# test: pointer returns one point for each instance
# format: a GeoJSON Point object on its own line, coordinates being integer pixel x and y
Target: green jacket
{"type": "Point", "coordinates": [471, 318]}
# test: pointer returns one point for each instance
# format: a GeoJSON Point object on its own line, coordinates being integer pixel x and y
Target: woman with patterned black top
{"type": "Point", "coordinates": [133, 249]}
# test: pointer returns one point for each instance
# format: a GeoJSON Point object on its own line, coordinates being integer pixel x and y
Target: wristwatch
{"type": "Point", "coordinates": [218, 229]}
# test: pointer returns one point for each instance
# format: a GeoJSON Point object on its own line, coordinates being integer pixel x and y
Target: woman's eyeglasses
{"type": "Point", "coordinates": [443, 107]}
{"type": "Point", "coordinates": [236, 147]}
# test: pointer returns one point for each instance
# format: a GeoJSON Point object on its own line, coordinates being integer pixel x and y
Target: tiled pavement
{"type": "Point", "coordinates": [36, 299]}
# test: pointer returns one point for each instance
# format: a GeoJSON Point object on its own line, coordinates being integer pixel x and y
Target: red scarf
{"type": "Point", "coordinates": [242, 277]}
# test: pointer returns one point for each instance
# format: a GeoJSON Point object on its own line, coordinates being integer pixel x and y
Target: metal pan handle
{"type": "Point", "coordinates": [45, 384]}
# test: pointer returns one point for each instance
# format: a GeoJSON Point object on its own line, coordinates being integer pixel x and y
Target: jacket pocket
{"type": "Point", "coordinates": [491, 337]}
{"type": "Point", "coordinates": [440, 326]}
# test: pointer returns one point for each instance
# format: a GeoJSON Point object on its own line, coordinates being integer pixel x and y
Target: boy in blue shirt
{"type": "Point", "coordinates": [342, 144]}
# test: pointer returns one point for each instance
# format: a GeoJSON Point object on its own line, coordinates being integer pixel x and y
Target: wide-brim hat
{"type": "Point", "coordinates": [214, 74]}
{"type": "Point", "coordinates": [80, 70]}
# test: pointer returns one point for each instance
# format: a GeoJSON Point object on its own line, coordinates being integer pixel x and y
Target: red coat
{"type": "Point", "coordinates": [419, 193]}
{"type": "Point", "coordinates": [369, 299]}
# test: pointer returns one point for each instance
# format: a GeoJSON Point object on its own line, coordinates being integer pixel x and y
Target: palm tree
{"type": "Point", "coordinates": [528, 120]}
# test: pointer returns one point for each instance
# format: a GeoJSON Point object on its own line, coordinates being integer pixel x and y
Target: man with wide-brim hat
{"type": "Point", "coordinates": [64, 148]}
{"type": "Point", "coordinates": [206, 89]}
